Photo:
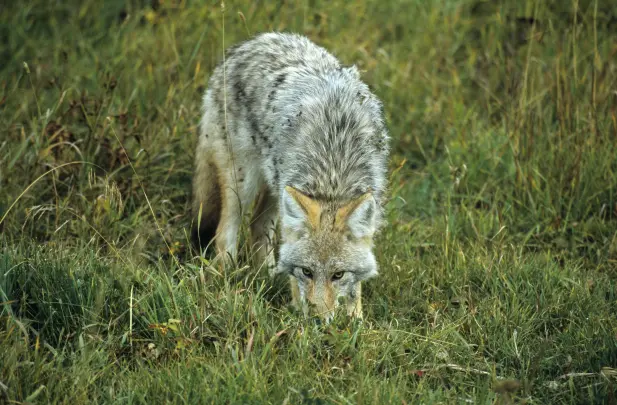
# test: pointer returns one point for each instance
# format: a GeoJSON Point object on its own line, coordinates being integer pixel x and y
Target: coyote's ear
{"type": "Point", "coordinates": [353, 70]}
{"type": "Point", "coordinates": [359, 215]}
{"type": "Point", "coordinates": [299, 211]}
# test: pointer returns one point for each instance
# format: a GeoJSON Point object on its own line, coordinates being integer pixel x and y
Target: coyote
{"type": "Point", "coordinates": [285, 124]}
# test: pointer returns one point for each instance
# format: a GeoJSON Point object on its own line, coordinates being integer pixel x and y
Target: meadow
{"type": "Point", "coordinates": [498, 266]}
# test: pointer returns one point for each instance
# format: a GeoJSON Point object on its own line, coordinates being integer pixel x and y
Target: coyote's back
{"type": "Point", "coordinates": [285, 121]}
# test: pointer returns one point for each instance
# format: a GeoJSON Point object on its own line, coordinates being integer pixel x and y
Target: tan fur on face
{"type": "Point", "coordinates": [323, 298]}
{"type": "Point", "coordinates": [328, 298]}
{"type": "Point", "coordinates": [310, 291]}
{"type": "Point", "coordinates": [354, 307]}
{"type": "Point", "coordinates": [295, 292]}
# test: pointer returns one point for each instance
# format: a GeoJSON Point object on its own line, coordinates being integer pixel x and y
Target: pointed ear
{"type": "Point", "coordinates": [299, 210]}
{"type": "Point", "coordinates": [359, 215]}
{"type": "Point", "coordinates": [353, 70]}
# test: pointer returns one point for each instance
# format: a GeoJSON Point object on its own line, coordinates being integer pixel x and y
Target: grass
{"type": "Point", "coordinates": [498, 266]}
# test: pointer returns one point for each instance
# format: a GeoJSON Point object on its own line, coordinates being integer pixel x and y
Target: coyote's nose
{"type": "Point", "coordinates": [323, 319]}
{"type": "Point", "coordinates": [323, 312]}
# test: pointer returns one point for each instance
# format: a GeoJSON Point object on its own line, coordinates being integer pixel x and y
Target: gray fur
{"type": "Point", "coordinates": [282, 111]}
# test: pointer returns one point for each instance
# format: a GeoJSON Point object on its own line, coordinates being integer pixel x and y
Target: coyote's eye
{"type": "Point", "coordinates": [338, 275]}
{"type": "Point", "coordinates": [307, 272]}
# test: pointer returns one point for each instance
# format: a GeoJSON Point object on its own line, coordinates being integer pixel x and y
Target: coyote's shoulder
{"type": "Point", "coordinates": [287, 97]}
{"type": "Point", "coordinates": [283, 117]}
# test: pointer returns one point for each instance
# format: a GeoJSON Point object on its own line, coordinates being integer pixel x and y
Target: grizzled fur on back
{"type": "Point", "coordinates": [312, 122]}
{"type": "Point", "coordinates": [285, 121]}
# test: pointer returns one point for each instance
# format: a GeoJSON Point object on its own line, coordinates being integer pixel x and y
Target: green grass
{"type": "Point", "coordinates": [498, 264]}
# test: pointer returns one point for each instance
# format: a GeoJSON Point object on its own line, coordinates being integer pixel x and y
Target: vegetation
{"type": "Point", "coordinates": [498, 267]}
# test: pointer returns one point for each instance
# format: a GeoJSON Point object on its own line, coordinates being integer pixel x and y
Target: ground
{"type": "Point", "coordinates": [498, 265]}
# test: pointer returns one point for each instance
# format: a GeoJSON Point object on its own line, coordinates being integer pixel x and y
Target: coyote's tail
{"type": "Point", "coordinates": [206, 200]}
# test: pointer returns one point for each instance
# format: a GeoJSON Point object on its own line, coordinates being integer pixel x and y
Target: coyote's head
{"type": "Point", "coordinates": [327, 248]}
